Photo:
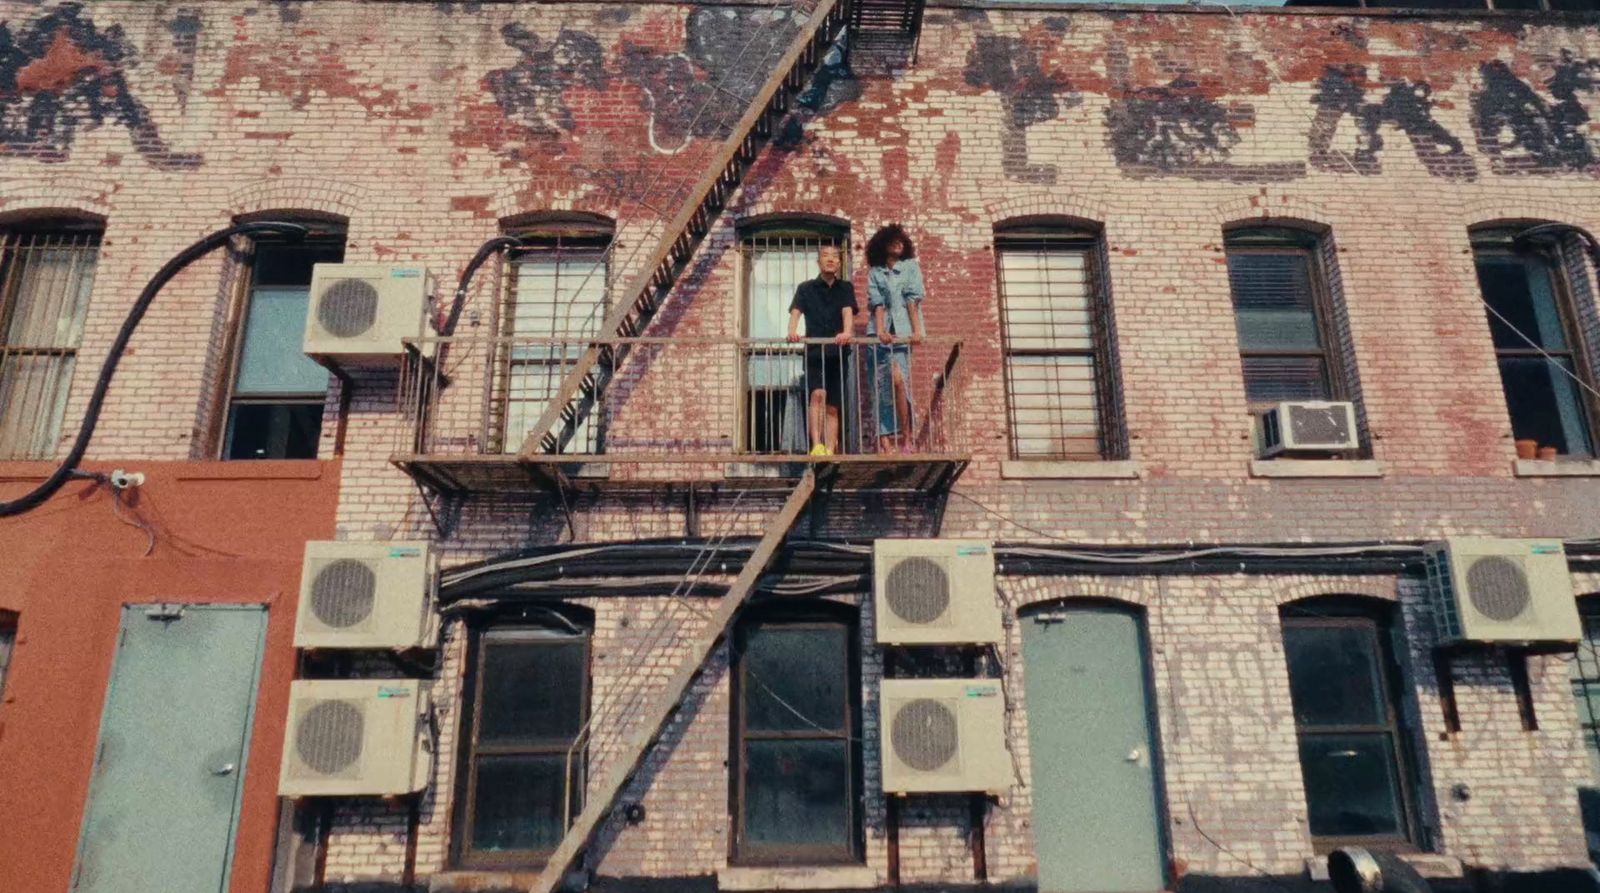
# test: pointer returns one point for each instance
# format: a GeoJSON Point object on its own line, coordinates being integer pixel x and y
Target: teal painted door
{"type": "Point", "coordinates": [164, 801]}
{"type": "Point", "coordinates": [1096, 821]}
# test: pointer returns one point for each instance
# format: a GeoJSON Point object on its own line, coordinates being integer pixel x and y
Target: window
{"type": "Point", "coordinates": [1527, 295]}
{"type": "Point", "coordinates": [1280, 304]}
{"type": "Point", "coordinates": [8, 643]}
{"type": "Point", "coordinates": [777, 257]}
{"type": "Point", "coordinates": [46, 274]}
{"type": "Point", "coordinates": [275, 408]}
{"type": "Point", "coordinates": [1585, 671]}
{"type": "Point", "coordinates": [558, 301]}
{"type": "Point", "coordinates": [1353, 757]}
{"type": "Point", "coordinates": [797, 767]}
{"type": "Point", "coordinates": [1057, 345]}
{"type": "Point", "coordinates": [522, 778]}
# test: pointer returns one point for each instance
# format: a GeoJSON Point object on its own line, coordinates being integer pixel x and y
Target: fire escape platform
{"type": "Point", "coordinates": [600, 473]}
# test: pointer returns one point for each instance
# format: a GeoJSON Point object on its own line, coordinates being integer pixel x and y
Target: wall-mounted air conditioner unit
{"type": "Point", "coordinates": [1322, 427]}
{"type": "Point", "coordinates": [348, 737]}
{"type": "Point", "coordinates": [359, 313]}
{"type": "Point", "coordinates": [935, 592]}
{"type": "Point", "coordinates": [944, 736]}
{"type": "Point", "coordinates": [1502, 591]}
{"type": "Point", "coordinates": [367, 595]}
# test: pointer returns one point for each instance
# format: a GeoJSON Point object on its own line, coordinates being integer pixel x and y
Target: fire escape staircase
{"type": "Point", "coordinates": [581, 387]}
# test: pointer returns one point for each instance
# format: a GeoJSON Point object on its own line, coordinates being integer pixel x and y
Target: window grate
{"type": "Point", "coordinates": [1057, 349]}
{"type": "Point", "coordinates": [47, 277]}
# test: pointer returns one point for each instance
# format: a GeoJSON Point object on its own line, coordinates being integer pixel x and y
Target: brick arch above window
{"type": "Point", "coordinates": [1377, 589]}
{"type": "Point", "coordinates": [1528, 208]}
{"type": "Point", "coordinates": [515, 200]}
{"type": "Point", "coordinates": [56, 198]}
{"type": "Point", "coordinates": [1041, 204]}
{"type": "Point", "coordinates": [1025, 593]}
{"type": "Point", "coordinates": [305, 195]}
{"type": "Point", "coordinates": [1276, 205]}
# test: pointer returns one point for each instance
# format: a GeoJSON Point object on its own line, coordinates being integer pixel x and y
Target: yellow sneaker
{"type": "Point", "coordinates": [821, 450]}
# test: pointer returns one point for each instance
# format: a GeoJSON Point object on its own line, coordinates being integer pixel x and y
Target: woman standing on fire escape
{"type": "Point", "coordinates": [894, 315]}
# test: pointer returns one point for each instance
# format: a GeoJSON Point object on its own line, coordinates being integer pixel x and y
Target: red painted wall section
{"type": "Point", "coordinates": [223, 533]}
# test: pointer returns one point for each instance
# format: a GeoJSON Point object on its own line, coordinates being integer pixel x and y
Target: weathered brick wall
{"type": "Point", "coordinates": [426, 126]}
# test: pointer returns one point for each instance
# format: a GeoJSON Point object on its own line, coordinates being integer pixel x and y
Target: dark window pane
{"type": "Point", "coordinates": [1273, 300]}
{"type": "Point", "coordinates": [517, 803]}
{"type": "Point", "coordinates": [1521, 290]}
{"type": "Point", "coordinates": [1272, 379]}
{"type": "Point", "coordinates": [796, 678]}
{"type": "Point", "coordinates": [1572, 5]}
{"type": "Point", "coordinates": [1517, 4]}
{"type": "Point", "coordinates": [1546, 404]}
{"type": "Point", "coordinates": [8, 638]}
{"type": "Point", "coordinates": [1352, 788]}
{"type": "Point", "coordinates": [283, 264]}
{"type": "Point", "coordinates": [1334, 675]}
{"type": "Point", "coordinates": [531, 692]}
{"type": "Point", "coordinates": [273, 431]}
{"type": "Point", "coordinates": [797, 794]}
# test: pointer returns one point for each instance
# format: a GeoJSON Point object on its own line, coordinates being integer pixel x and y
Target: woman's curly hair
{"type": "Point", "coordinates": [878, 245]}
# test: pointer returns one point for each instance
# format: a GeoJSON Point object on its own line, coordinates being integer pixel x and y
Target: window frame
{"type": "Point", "coordinates": [1334, 612]}
{"type": "Point", "coordinates": [1109, 435]}
{"type": "Point", "coordinates": [91, 232]}
{"type": "Point", "coordinates": [549, 239]}
{"type": "Point", "coordinates": [1281, 239]}
{"type": "Point", "coordinates": [1588, 677]}
{"type": "Point", "coordinates": [9, 621]}
{"type": "Point", "coordinates": [461, 852]}
{"type": "Point", "coordinates": [818, 616]}
{"type": "Point", "coordinates": [800, 228]}
{"type": "Point", "coordinates": [321, 233]}
{"type": "Point", "coordinates": [1497, 242]}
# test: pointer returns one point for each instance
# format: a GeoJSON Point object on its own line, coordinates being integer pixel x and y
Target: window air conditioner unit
{"type": "Point", "coordinates": [1321, 427]}
{"type": "Point", "coordinates": [934, 592]}
{"type": "Point", "coordinates": [356, 737]}
{"type": "Point", "coordinates": [1502, 592]}
{"type": "Point", "coordinates": [359, 313]}
{"type": "Point", "coordinates": [944, 736]}
{"type": "Point", "coordinates": [367, 595]}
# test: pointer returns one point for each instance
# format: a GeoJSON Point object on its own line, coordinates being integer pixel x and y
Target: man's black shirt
{"type": "Point", "coordinates": [823, 305]}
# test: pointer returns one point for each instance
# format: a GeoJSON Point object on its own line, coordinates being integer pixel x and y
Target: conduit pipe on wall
{"type": "Point", "coordinates": [91, 416]}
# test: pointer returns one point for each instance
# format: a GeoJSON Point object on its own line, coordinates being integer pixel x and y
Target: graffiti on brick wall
{"type": "Point", "coordinates": [531, 92]}
{"type": "Point", "coordinates": [1522, 132]}
{"type": "Point", "coordinates": [1405, 105]}
{"type": "Point", "coordinates": [1029, 95]}
{"type": "Point", "coordinates": [60, 74]}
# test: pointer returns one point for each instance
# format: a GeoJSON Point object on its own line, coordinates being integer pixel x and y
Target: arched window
{"type": "Point", "coordinates": [1354, 755]}
{"type": "Point", "coordinates": [796, 717]}
{"type": "Point", "coordinates": [1061, 383]}
{"type": "Point", "coordinates": [1537, 341]}
{"type": "Point", "coordinates": [276, 392]}
{"type": "Point", "coordinates": [556, 301]}
{"type": "Point", "coordinates": [46, 274]}
{"type": "Point", "coordinates": [777, 253]}
{"type": "Point", "coordinates": [1291, 346]}
{"type": "Point", "coordinates": [522, 770]}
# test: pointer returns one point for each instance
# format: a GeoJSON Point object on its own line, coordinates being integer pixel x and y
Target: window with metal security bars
{"type": "Point", "coordinates": [46, 275]}
{"type": "Point", "coordinates": [522, 775]}
{"type": "Point", "coordinates": [1280, 303]}
{"type": "Point", "coordinates": [1548, 385]}
{"type": "Point", "coordinates": [797, 777]}
{"type": "Point", "coordinates": [776, 259]}
{"type": "Point", "coordinates": [1057, 345]}
{"type": "Point", "coordinates": [1354, 757]}
{"type": "Point", "coordinates": [557, 301]}
{"type": "Point", "coordinates": [1584, 671]}
{"type": "Point", "coordinates": [276, 398]}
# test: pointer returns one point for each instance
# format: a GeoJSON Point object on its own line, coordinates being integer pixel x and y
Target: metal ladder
{"type": "Point", "coordinates": [654, 718]}
{"type": "Point", "coordinates": [706, 200]}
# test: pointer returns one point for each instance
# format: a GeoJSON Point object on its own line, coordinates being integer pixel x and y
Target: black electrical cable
{"type": "Point", "coordinates": [91, 416]}
{"type": "Point", "coordinates": [485, 251]}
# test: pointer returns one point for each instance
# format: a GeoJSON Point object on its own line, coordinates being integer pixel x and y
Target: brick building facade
{"type": "Point", "coordinates": [1152, 142]}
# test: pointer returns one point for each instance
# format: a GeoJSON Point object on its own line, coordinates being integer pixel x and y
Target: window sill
{"type": "Point", "coordinates": [1315, 468]}
{"type": "Point", "coordinates": [1432, 865]}
{"type": "Point", "coordinates": [1557, 468]}
{"type": "Point", "coordinates": [796, 877]}
{"type": "Point", "coordinates": [1038, 469]}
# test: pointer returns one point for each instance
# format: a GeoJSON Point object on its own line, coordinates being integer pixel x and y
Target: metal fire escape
{"type": "Point", "coordinates": [873, 20]}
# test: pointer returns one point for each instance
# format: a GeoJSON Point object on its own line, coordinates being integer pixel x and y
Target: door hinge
{"type": "Point", "coordinates": [164, 612]}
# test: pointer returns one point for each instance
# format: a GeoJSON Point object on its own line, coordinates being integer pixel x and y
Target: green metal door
{"type": "Point", "coordinates": [1096, 818]}
{"type": "Point", "coordinates": [164, 801]}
